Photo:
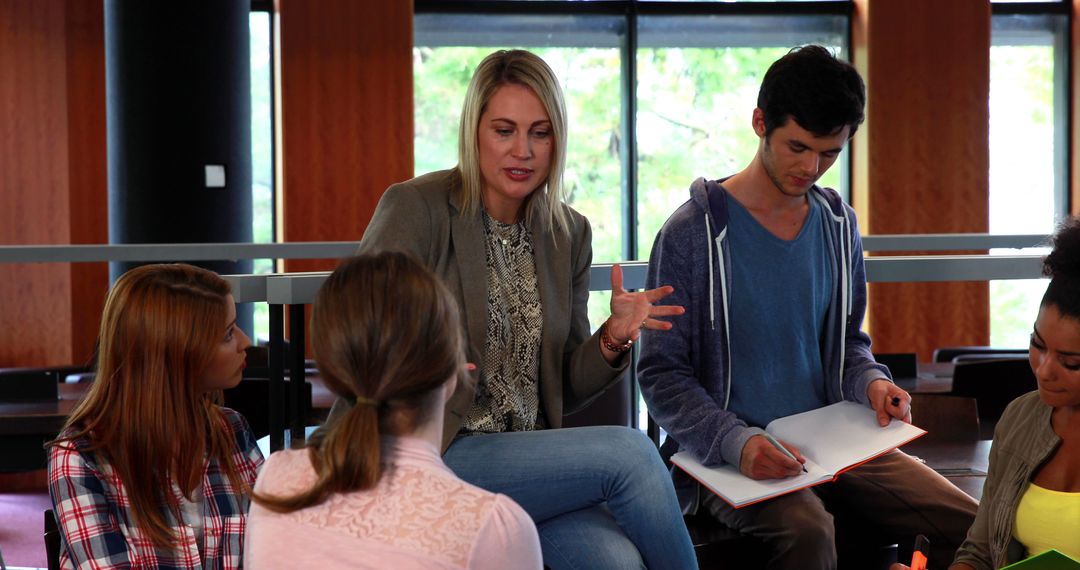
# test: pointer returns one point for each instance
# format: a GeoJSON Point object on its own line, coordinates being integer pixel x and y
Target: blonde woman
{"type": "Point", "coordinates": [149, 470]}
{"type": "Point", "coordinates": [517, 258]}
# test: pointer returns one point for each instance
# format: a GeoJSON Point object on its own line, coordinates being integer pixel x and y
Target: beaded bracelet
{"type": "Point", "coordinates": [608, 342]}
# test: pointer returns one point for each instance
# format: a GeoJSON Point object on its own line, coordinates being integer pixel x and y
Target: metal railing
{"type": "Point", "coordinates": [337, 249]}
{"type": "Point", "coordinates": [296, 290]}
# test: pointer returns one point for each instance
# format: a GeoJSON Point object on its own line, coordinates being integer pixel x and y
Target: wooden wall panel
{"type": "Point", "coordinates": [347, 114]}
{"type": "Point", "coordinates": [87, 168]}
{"type": "Point", "coordinates": [924, 165]}
{"type": "Point", "coordinates": [52, 176]}
{"type": "Point", "coordinates": [35, 299]}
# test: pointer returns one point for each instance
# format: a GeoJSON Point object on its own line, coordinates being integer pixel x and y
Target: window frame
{"type": "Point", "coordinates": [630, 10]}
{"type": "Point", "coordinates": [1063, 94]}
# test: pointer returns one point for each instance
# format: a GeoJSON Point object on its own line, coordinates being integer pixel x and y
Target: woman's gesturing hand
{"type": "Point", "coordinates": [631, 312]}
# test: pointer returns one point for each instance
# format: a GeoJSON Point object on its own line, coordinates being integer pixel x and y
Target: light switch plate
{"type": "Point", "coordinates": [215, 175]}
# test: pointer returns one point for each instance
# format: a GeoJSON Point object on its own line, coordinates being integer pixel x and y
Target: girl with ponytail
{"type": "Point", "coordinates": [1031, 500]}
{"type": "Point", "coordinates": [370, 490]}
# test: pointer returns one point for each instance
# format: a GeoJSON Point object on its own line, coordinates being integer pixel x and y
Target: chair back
{"type": "Point", "coordinates": [994, 356]}
{"type": "Point", "coordinates": [948, 353]}
{"type": "Point", "coordinates": [29, 385]}
{"type": "Point", "coordinates": [257, 361]}
{"type": "Point", "coordinates": [611, 408]}
{"type": "Point", "coordinates": [900, 364]}
{"type": "Point", "coordinates": [52, 540]}
{"type": "Point", "coordinates": [993, 384]}
{"type": "Point", "coordinates": [251, 398]}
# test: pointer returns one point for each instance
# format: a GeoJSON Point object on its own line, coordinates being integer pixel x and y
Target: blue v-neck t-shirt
{"type": "Point", "coordinates": [780, 292]}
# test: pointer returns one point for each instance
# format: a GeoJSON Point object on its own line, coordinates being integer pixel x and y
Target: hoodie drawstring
{"type": "Point", "coordinates": [708, 241]}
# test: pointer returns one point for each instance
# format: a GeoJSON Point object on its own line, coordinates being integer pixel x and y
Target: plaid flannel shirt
{"type": "Point", "coordinates": [97, 524]}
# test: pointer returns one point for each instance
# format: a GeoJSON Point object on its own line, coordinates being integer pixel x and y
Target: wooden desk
{"type": "Point", "coordinates": [25, 427]}
{"type": "Point", "coordinates": [18, 418]}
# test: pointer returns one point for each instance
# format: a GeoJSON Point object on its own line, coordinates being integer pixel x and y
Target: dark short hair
{"type": "Point", "coordinates": [810, 85]}
{"type": "Point", "coordinates": [1062, 266]}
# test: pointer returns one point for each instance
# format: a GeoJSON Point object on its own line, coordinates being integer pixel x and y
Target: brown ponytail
{"type": "Point", "coordinates": [386, 333]}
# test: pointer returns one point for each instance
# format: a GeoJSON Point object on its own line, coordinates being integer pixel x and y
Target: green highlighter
{"type": "Point", "coordinates": [1049, 560]}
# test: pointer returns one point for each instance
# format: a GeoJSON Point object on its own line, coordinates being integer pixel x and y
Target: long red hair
{"type": "Point", "coordinates": [146, 414]}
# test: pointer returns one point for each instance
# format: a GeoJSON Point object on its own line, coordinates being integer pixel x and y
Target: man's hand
{"type": "Point", "coordinates": [760, 460]}
{"type": "Point", "coordinates": [889, 401]}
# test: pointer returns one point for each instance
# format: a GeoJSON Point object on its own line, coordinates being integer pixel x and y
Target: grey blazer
{"type": "Point", "coordinates": [423, 216]}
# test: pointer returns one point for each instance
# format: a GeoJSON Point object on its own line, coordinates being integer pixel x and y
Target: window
{"type": "Point", "coordinates": [262, 152]}
{"type": "Point", "coordinates": [657, 95]}
{"type": "Point", "coordinates": [690, 94]}
{"type": "Point", "coordinates": [1028, 150]}
{"type": "Point", "coordinates": [584, 52]}
{"type": "Point", "coordinates": [697, 86]}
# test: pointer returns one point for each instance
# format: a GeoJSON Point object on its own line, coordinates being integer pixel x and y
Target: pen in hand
{"type": "Point", "coordinates": [784, 450]}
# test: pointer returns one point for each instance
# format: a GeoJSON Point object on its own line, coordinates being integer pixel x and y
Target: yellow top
{"type": "Point", "coordinates": [1048, 519]}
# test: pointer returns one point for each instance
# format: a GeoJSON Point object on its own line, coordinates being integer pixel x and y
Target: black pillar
{"type": "Point", "coordinates": [178, 88]}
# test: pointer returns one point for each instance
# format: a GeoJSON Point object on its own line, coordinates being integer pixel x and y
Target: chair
{"type": "Point", "coordinates": [994, 356]}
{"type": "Point", "coordinates": [900, 364]}
{"type": "Point", "coordinates": [52, 540]}
{"type": "Point", "coordinates": [251, 398]}
{"type": "Point", "coordinates": [948, 353]}
{"type": "Point", "coordinates": [993, 384]}
{"type": "Point", "coordinates": [718, 546]}
{"type": "Point", "coordinates": [612, 408]}
{"type": "Point", "coordinates": [29, 385]}
{"type": "Point", "coordinates": [258, 362]}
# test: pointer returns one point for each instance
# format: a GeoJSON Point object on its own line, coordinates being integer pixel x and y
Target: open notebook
{"type": "Point", "coordinates": [833, 439]}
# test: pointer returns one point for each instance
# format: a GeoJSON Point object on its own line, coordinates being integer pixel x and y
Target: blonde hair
{"type": "Point", "coordinates": [146, 412]}
{"type": "Point", "coordinates": [522, 68]}
{"type": "Point", "coordinates": [387, 334]}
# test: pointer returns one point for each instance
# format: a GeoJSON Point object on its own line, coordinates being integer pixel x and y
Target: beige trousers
{"type": "Point", "coordinates": [886, 501]}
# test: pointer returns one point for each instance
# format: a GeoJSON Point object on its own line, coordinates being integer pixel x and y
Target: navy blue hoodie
{"type": "Point", "coordinates": [685, 373]}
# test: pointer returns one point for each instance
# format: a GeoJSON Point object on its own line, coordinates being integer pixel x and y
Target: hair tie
{"type": "Point", "coordinates": [367, 402]}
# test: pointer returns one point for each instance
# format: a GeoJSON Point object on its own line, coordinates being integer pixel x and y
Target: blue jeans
{"type": "Point", "coordinates": [600, 496]}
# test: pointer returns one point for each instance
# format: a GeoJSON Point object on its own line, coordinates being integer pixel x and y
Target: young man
{"type": "Point", "coordinates": [770, 269]}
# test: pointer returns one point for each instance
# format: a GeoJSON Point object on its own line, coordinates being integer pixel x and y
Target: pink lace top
{"type": "Point", "coordinates": [419, 515]}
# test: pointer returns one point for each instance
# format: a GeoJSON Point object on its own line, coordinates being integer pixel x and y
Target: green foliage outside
{"type": "Point", "coordinates": [262, 156]}
{"type": "Point", "coordinates": [694, 108]}
{"type": "Point", "coordinates": [693, 120]}
{"type": "Point", "coordinates": [1021, 175]}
